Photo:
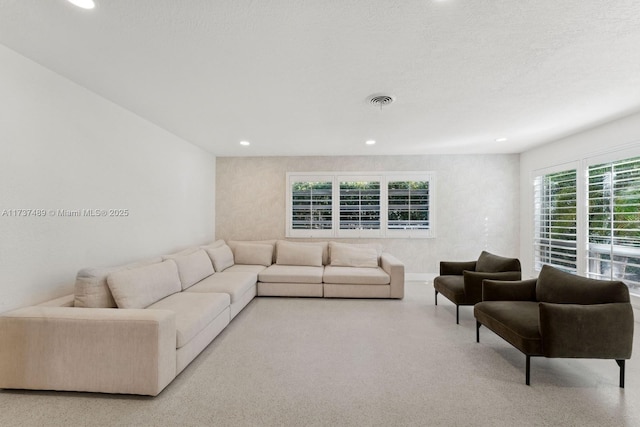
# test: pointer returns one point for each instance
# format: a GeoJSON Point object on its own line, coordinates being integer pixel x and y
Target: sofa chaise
{"type": "Point", "coordinates": [132, 329]}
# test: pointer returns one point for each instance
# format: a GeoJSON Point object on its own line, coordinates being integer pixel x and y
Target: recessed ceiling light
{"type": "Point", "coordinates": [501, 139]}
{"type": "Point", "coordinates": [85, 4]}
{"type": "Point", "coordinates": [245, 143]}
{"type": "Point", "coordinates": [370, 142]}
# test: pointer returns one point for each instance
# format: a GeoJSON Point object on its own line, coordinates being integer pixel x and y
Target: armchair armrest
{"type": "Point", "coordinates": [88, 349]}
{"type": "Point", "coordinates": [473, 282]}
{"type": "Point", "coordinates": [499, 290]}
{"type": "Point", "coordinates": [395, 269]}
{"type": "Point", "coordinates": [455, 268]}
{"type": "Point", "coordinates": [599, 331]}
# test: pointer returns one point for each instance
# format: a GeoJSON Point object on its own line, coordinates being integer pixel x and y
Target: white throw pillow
{"type": "Point", "coordinates": [193, 267]}
{"type": "Point", "coordinates": [291, 253]}
{"type": "Point", "coordinates": [222, 257]}
{"type": "Point", "coordinates": [140, 287]}
{"type": "Point", "coordinates": [348, 255]}
{"type": "Point", "coordinates": [253, 254]}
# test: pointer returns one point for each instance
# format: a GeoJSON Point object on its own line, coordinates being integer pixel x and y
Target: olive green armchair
{"type": "Point", "coordinates": [560, 315]}
{"type": "Point", "coordinates": [461, 281]}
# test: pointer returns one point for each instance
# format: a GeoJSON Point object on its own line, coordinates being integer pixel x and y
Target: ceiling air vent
{"type": "Point", "coordinates": [381, 100]}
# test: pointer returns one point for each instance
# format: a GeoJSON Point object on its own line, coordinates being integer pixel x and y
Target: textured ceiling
{"type": "Point", "coordinates": [293, 76]}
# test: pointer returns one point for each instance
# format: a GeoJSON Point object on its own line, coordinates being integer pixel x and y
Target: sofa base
{"type": "Point", "coordinates": [188, 352]}
{"type": "Point", "coordinates": [332, 290]}
{"type": "Point", "coordinates": [266, 289]}
{"type": "Point", "coordinates": [246, 298]}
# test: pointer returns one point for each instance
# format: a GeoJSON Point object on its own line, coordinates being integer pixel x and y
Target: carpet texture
{"type": "Point", "coordinates": [333, 362]}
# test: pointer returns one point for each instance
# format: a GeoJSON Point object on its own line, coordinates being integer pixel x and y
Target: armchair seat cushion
{"type": "Point", "coordinates": [515, 321]}
{"type": "Point", "coordinates": [451, 287]}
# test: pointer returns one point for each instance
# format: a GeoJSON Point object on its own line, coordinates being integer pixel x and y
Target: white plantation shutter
{"type": "Point", "coordinates": [613, 250]}
{"type": "Point", "coordinates": [555, 220]}
{"type": "Point", "coordinates": [360, 204]}
{"type": "Point", "coordinates": [359, 207]}
{"type": "Point", "coordinates": [311, 212]}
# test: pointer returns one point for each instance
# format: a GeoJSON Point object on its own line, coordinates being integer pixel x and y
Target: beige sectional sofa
{"type": "Point", "coordinates": [132, 329]}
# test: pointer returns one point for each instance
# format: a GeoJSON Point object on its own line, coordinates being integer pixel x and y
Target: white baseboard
{"type": "Point", "coordinates": [419, 277]}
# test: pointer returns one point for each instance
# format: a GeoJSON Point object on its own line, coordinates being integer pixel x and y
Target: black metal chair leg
{"type": "Point", "coordinates": [436, 297]}
{"type": "Point", "coordinates": [457, 314]}
{"type": "Point", "coordinates": [621, 364]}
{"type": "Point", "coordinates": [528, 374]}
{"type": "Point", "coordinates": [478, 324]}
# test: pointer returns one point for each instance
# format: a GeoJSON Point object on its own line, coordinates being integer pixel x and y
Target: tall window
{"type": "Point", "coordinates": [613, 250]}
{"type": "Point", "coordinates": [587, 218]}
{"type": "Point", "coordinates": [349, 204]}
{"type": "Point", "coordinates": [555, 210]}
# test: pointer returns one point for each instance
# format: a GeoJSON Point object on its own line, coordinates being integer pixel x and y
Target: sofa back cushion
{"type": "Point", "coordinates": [354, 255]}
{"type": "Point", "coordinates": [222, 257]}
{"type": "Point", "coordinates": [193, 267]}
{"type": "Point", "coordinates": [91, 288]}
{"type": "Point", "coordinates": [299, 253]}
{"type": "Point", "coordinates": [140, 287]}
{"type": "Point", "coordinates": [233, 244]}
{"type": "Point", "coordinates": [490, 263]}
{"type": "Point", "coordinates": [253, 254]}
{"type": "Point", "coordinates": [557, 286]}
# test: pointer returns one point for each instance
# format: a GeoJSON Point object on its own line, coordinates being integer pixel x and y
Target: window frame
{"type": "Point", "coordinates": [543, 226]}
{"type": "Point", "coordinates": [341, 176]}
{"type": "Point", "coordinates": [582, 166]}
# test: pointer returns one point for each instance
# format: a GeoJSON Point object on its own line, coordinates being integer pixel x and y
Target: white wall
{"type": "Point", "coordinates": [477, 202]}
{"type": "Point", "coordinates": [63, 147]}
{"type": "Point", "coordinates": [619, 137]}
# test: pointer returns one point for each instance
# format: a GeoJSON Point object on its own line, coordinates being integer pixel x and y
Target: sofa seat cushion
{"type": "Point", "coordinates": [356, 275]}
{"type": "Point", "coordinates": [451, 287]}
{"type": "Point", "coordinates": [234, 283]}
{"type": "Point", "coordinates": [194, 312]}
{"type": "Point", "coordinates": [291, 274]}
{"type": "Point", "coordinates": [245, 268]}
{"type": "Point", "coordinates": [515, 321]}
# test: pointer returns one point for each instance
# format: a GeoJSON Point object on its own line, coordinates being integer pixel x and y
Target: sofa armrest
{"type": "Point", "coordinates": [455, 268]}
{"type": "Point", "coordinates": [65, 301]}
{"type": "Point", "coordinates": [598, 331]}
{"type": "Point", "coordinates": [500, 290]}
{"type": "Point", "coordinates": [88, 349]}
{"type": "Point", "coordinates": [395, 269]}
{"type": "Point", "coordinates": [473, 282]}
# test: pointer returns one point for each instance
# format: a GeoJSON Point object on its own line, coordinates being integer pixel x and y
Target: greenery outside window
{"type": "Point", "coordinates": [613, 247]}
{"type": "Point", "coordinates": [555, 220]}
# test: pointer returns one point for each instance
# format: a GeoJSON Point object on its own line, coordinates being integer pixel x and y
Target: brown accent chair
{"type": "Point", "coordinates": [560, 315]}
{"type": "Point", "coordinates": [461, 281]}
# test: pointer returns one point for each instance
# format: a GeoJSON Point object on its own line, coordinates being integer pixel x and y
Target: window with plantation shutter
{"type": "Point", "coordinates": [359, 207]}
{"type": "Point", "coordinates": [613, 247]}
{"type": "Point", "coordinates": [555, 220]}
{"type": "Point", "coordinates": [360, 204]}
{"type": "Point", "coordinates": [311, 207]}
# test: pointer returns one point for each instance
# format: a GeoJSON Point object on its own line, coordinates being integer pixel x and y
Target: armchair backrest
{"type": "Point", "coordinates": [490, 263]}
{"type": "Point", "coordinates": [557, 286]}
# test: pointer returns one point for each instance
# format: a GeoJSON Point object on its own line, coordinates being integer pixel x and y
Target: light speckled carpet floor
{"type": "Point", "coordinates": [326, 362]}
